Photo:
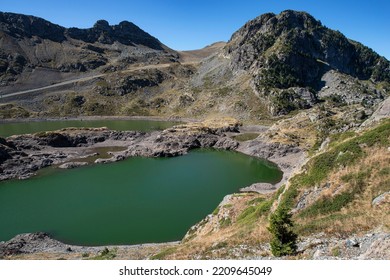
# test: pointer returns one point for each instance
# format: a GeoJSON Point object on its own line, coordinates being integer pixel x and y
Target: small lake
{"type": "Point", "coordinates": [139, 200]}
{"type": "Point", "coordinates": [8, 129]}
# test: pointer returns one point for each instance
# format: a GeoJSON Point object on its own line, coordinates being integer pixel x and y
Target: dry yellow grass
{"type": "Point", "coordinates": [298, 130]}
{"type": "Point", "coordinates": [360, 215]}
{"type": "Point", "coordinates": [214, 124]}
{"type": "Point", "coordinates": [370, 174]}
{"type": "Point", "coordinates": [214, 240]}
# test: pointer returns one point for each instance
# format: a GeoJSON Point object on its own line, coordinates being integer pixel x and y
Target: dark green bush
{"type": "Point", "coordinates": [284, 239]}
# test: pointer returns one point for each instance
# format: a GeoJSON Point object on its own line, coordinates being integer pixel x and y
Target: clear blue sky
{"type": "Point", "coordinates": [185, 24]}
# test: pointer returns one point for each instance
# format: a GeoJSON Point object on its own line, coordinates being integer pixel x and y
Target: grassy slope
{"type": "Point", "coordinates": [333, 195]}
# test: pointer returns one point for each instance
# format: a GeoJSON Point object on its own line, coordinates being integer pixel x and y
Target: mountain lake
{"type": "Point", "coordinates": [138, 200]}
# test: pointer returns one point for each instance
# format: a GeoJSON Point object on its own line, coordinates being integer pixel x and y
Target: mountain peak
{"type": "Point", "coordinates": [297, 41]}
{"type": "Point", "coordinates": [288, 55]}
{"type": "Point", "coordinates": [20, 26]}
{"type": "Point", "coordinates": [127, 33]}
{"type": "Point", "coordinates": [102, 25]}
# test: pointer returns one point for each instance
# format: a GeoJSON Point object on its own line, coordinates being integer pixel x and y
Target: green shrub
{"type": "Point", "coordinates": [284, 239]}
{"type": "Point", "coordinates": [106, 254]}
{"type": "Point", "coordinates": [216, 211]}
{"type": "Point", "coordinates": [328, 205]}
{"type": "Point", "coordinates": [252, 213]}
{"type": "Point", "coordinates": [289, 196]}
{"type": "Point", "coordinates": [225, 222]}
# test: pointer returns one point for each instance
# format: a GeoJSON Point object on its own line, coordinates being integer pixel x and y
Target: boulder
{"type": "Point", "coordinates": [259, 188]}
{"type": "Point", "coordinates": [71, 165]}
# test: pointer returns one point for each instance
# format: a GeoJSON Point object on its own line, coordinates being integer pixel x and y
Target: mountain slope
{"type": "Point", "coordinates": [305, 47]}
{"type": "Point", "coordinates": [340, 202]}
{"type": "Point", "coordinates": [273, 65]}
{"type": "Point", "coordinates": [28, 43]}
{"type": "Point", "coordinates": [291, 61]}
{"type": "Point", "coordinates": [323, 94]}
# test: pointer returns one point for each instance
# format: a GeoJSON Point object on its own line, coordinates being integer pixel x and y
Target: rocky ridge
{"type": "Point", "coordinates": [273, 65]}
{"type": "Point", "coordinates": [30, 43]}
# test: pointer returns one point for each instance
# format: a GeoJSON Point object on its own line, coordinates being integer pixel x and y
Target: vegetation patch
{"type": "Point", "coordinates": [343, 154]}
{"type": "Point", "coordinates": [216, 211]}
{"type": "Point", "coordinates": [321, 224]}
{"type": "Point", "coordinates": [357, 177]}
{"type": "Point", "coordinates": [106, 254]}
{"type": "Point", "coordinates": [255, 200]}
{"type": "Point", "coordinates": [163, 254]}
{"type": "Point", "coordinates": [8, 111]}
{"type": "Point", "coordinates": [225, 222]}
{"type": "Point", "coordinates": [289, 196]}
{"type": "Point", "coordinates": [384, 171]}
{"type": "Point", "coordinates": [252, 213]}
{"type": "Point", "coordinates": [339, 137]}
{"type": "Point", "coordinates": [284, 239]}
{"type": "Point", "coordinates": [245, 137]}
{"type": "Point", "coordinates": [328, 205]}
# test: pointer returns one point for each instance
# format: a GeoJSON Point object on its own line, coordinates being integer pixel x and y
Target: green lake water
{"type": "Point", "coordinates": [8, 129]}
{"type": "Point", "coordinates": [139, 200]}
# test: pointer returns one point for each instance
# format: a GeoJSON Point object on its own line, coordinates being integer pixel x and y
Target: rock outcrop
{"type": "Point", "coordinates": [30, 243]}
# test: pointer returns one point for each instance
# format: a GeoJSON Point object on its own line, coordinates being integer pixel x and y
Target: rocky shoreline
{"type": "Point", "coordinates": [22, 156]}
{"type": "Point", "coordinates": [370, 246]}
{"type": "Point", "coordinates": [41, 246]}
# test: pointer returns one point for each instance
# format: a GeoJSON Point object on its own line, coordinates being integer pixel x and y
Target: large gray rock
{"type": "Point", "coordinates": [71, 165]}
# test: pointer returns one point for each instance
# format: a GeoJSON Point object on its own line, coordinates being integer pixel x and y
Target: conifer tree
{"type": "Point", "coordinates": [284, 239]}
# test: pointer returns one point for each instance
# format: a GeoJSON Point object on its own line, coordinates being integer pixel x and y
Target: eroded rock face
{"type": "Point", "coordinates": [6, 150]}
{"type": "Point", "coordinates": [180, 139]}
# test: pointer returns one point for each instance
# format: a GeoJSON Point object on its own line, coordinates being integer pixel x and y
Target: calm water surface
{"type": "Point", "coordinates": [8, 129]}
{"type": "Point", "coordinates": [138, 200]}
